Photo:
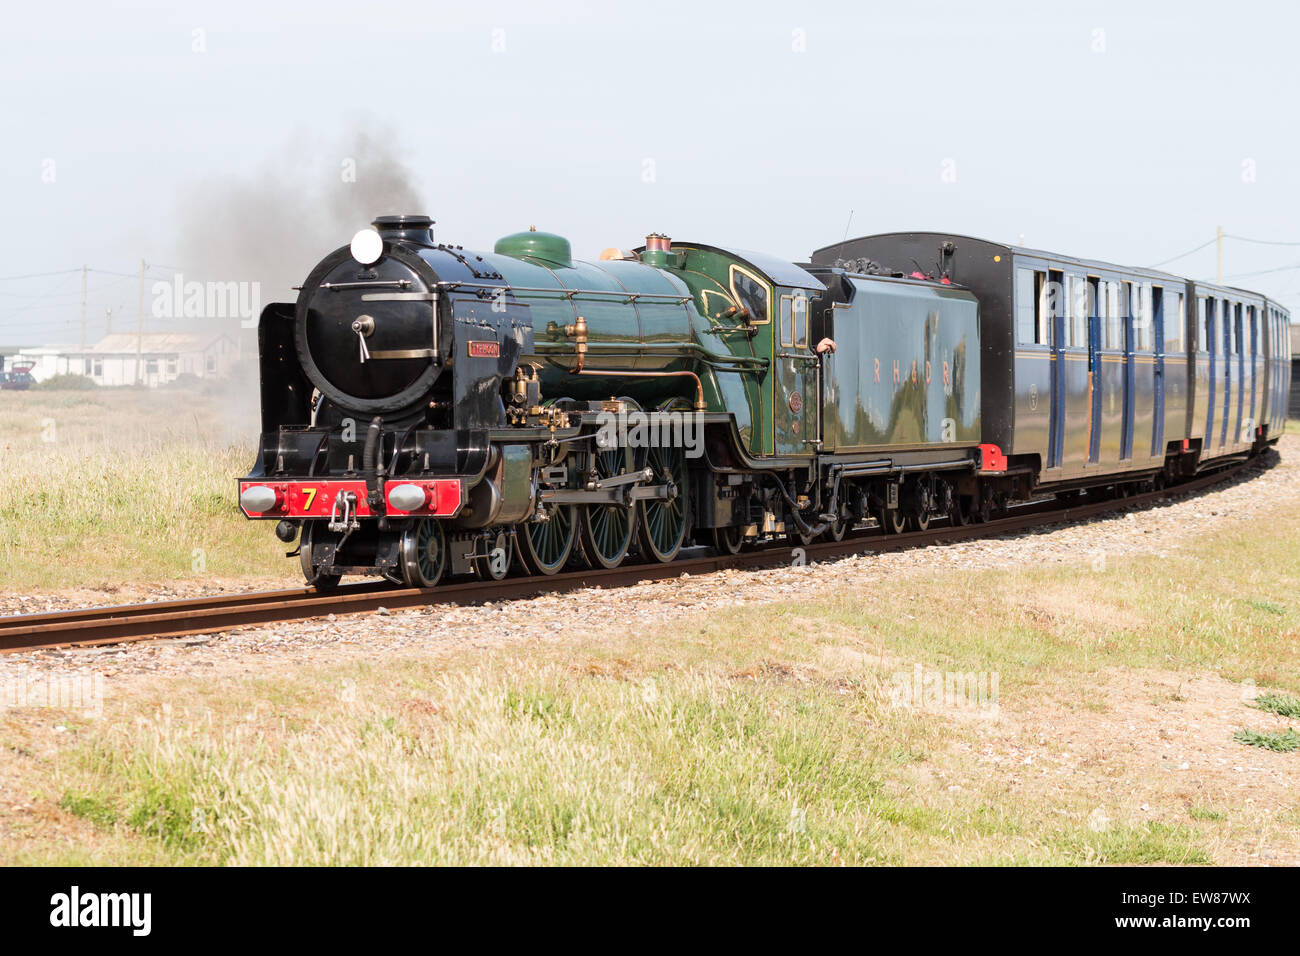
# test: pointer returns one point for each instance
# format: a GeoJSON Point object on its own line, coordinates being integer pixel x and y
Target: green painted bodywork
{"type": "Point", "coordinates": [545, 246]}
{"type": "Point", "coordinates": [906, 370]}
{"type": "Point", "coordinates": [684, 316]}
{"type": "Point", "coordinates": [661, 329]}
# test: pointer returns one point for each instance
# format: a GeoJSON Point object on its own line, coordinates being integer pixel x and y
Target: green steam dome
{"type": "Point", "coordinates": [546, 246]}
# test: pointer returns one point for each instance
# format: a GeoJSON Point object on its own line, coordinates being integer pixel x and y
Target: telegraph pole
{"type": "Point", "coordinates": [83, 320]}
{"type": "Point", "coordinates": [1218, 245]}
{"type": "Point", "coordinates": [139, 328]}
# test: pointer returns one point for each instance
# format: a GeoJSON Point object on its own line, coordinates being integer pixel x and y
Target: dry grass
{"type": "Point", "coordinates": [117, 484]}
{"type": "Point", "coordinates": [539, 761]}
{"type": "Point", "coordinates": [758, 736]}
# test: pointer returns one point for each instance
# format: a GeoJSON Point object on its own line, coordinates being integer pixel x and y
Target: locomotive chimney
{"type": "Point", "coordinates": [413, 229]}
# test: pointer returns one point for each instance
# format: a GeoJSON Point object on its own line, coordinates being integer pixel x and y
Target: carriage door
{"type": "Point", "coordinates": [1058, 303]}
{"type": "Point", "coordinates": [1211, 346]}
{"type": "Point", "coordinates": [1156, 306]}
{"type": "Point", "coordinates": [794, 404]}
{"type": "Point", "coordinates": [1239, 349]}
{"type": "Point", "coordinates": [1095, 311]}
{"type": "Point", "coordinates": [1252, 418]}
{"type": "Point", "coordinates": [1225, 343]}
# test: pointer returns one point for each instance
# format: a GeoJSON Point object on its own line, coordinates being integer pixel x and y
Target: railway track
{"type": "Point", "coordinates": [131, 622]}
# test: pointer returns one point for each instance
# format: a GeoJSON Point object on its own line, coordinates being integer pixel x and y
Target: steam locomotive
{"type": "Point", "coordinates": [428, 410]}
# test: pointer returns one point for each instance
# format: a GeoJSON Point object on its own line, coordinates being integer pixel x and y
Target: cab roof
{"type": "Point", "coordinates": [779, 271]}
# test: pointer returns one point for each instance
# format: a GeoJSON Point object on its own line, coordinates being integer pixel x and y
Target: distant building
{"type": "Point", "coordinates": [152, 359]}
{"type": "Point", "coordinates": [50, 360]}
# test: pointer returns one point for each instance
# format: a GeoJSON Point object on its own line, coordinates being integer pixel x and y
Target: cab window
{"type": "Point", "coordinates": [751, 294]}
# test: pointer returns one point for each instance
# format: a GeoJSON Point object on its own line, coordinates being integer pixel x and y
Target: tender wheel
{"type": "Point", "coordinates": [321, 581]}
{"type": "Point", "coordinates": [728, 540]}
{"type": "Point", "coordinates": [799, 538]}
{"type": "Point", "coordinates": [495, 564]}
{"type": "Point", "coordinates": [891, 521]}
{"type": "Point", "coordinates": [959, 513]}
{"type": "Point", "coordinates": [661, 527]}
{"type": "Point", "coordinates": [919, 522]}
{"type": "Point", "coordinates": [606, 530]}
{"type": "Point", "coordinates": [544, 546]}
{"type": "Point", "coordinates": [423, 553]}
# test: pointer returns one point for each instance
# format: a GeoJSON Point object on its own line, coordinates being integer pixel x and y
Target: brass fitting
{"type": "Point", "coordinates": [578, 332]}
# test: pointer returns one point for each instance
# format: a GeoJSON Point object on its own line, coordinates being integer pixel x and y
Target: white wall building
{"type": "Point", "coordinates": [152, 359]}
{"type": "Point", "coordinates": [50, 360]}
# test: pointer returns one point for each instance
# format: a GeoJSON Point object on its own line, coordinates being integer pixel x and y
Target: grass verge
{"type": "Point", "coordinates": [109, 485]}
{"type": "Point", "coordinates": [761, 735]}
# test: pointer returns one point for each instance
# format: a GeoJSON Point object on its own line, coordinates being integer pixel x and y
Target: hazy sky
{"type": "Point", "coordinates": [1119, 131]}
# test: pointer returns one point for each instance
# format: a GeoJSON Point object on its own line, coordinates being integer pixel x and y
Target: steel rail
{"type": "Point", "coordinates": [131, 622]}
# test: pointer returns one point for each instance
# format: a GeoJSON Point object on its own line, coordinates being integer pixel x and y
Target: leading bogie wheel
{"type": "Point", "coordinates": [499, 549]}
{"type": "Point", "coordinates": [422, 552]}
{"type": "Point", "coordinates": [320, 580]}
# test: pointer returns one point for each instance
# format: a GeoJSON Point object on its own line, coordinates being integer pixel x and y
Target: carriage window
{"type": "Point", "coordinates": [1031, 307]}
{"type": "Point", "coordinates": [751, 294]}
{"type": "Point", "coordinates": [1175, 324]}
{"type": "Point", "coordinates": [1143, 321]}
{"type": "Point", "coordinates": [1204, 309]}
{"type": "Point", "coordinates": [1049, 294]}
{"type": "Point", "coordinates": [1077, 327]}
{"type": "Point", "coordinates": [1114, 315]}
{"type": "Point", "coordinates": [1032, 315]}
